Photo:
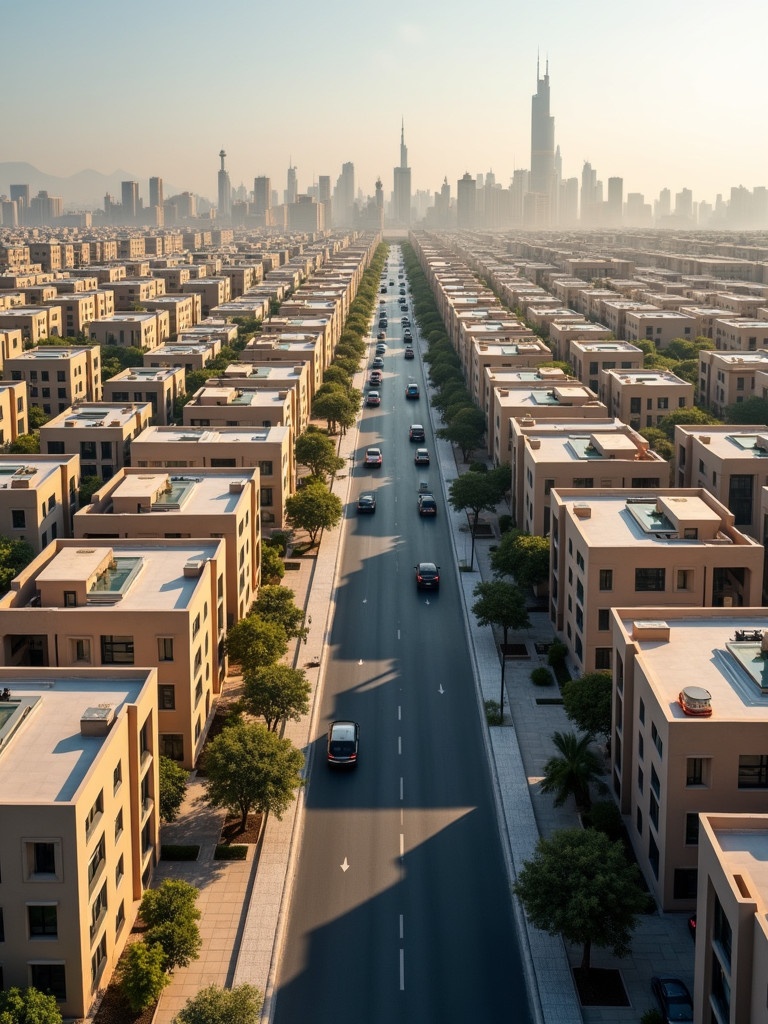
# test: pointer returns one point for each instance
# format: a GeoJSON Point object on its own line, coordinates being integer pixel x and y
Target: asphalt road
{"type": "Point", "coordinates": [400, 909]}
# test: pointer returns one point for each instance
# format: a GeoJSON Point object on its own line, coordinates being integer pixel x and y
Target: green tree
{"type": "Point", "coordinates": [171, 918]}
{"type": "Point", "coordinates": [142, 975]}
{"type": "Point", "coordinates": [335, 406]}
{"type": "Point", "coordinates": [28, 1006]}
{"type": "Point", "coordinates": [465, 436]}
{"type": "Point", "coordinates": [173, 788]}
{"type": "Point", "coordinates": [500, 604]}
{"type": "Point", "coordinates": [36, 417]}
{"type": "Point", "coordinates": [88, 486]}
{"type": "Point", "coordinates": [276, 692]}
{"type": "Point", "coordinates": [15, 555]}
{"type": "Point", "coordinates": [580, 885]}
{"type": "Point", "coordinates": [272, 565]}
{"type": "Point", "coordinates": [690, 416]}
{"type": "Point", "coordinates": [475, 493]}
{"type": "Point", "coordinates": [214, 1005]}
{"type": "Point", "coordinates": [254, 641]}
{"type": "Point", "coordinates": [336, 375]}
{"type": "Point", "coordinates": [684, 349]}
{"type": "Point", "coordinates": [587, 702]}
{"type": "Point", "coordinates": [249, 768]}
{"type": "Point", "coordinates": [572, 770]}
{"type": "Point", "coordinates": [25, 444]}
{"type": "Point", "coordinates": [314, 508]}
{"type": "Point", "coordinates": [659, 442]}
{"type": "Point", "coordinates": [752, 410]}
{"type": "Point", "coordinates": [524, 556]}
{"type": "Point", "coordinates": [276, 604]}
{"type": "Point", "coordinates": [317, 451]}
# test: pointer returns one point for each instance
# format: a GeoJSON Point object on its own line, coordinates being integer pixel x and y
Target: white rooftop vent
{"type": "Point", "coordinates": [97, 721]}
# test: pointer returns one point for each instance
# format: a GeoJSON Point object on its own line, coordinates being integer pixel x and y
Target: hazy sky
{"type": "Point", "coordinates": [668, 93]}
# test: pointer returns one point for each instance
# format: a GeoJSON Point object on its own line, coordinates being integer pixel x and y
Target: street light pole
{"type": "Point", "coordinates": [501, 697]}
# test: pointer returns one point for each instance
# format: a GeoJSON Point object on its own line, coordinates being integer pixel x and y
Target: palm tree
{"type": "Point", "coordinates": [572, 772]}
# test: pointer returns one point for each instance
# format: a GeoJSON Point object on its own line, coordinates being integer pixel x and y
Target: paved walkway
{"type": "Point", "coordinates": [245, 904]}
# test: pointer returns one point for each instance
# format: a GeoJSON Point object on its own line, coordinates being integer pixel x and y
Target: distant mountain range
{"type": "Point", "coordinates": [82, 191]}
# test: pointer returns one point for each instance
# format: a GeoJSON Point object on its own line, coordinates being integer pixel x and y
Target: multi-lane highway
{"type": "Point", "coordinates": [400, 909]}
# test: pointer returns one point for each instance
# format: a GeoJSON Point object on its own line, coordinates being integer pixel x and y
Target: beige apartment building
{"type": "Point", "coordinates": [219, 503]}
{"type": "Point", "coordinates": [14, 419]}
{"type": "Point", "coordinates": [80, 835]}
{"type": "Point", "coordinates": [228, 406]}
{"type": "Point", "coordinates": [706, 318]}
{"type": "Point", "coordinates": [160, 386]}
{"type": "Point", "coordinates": [38, 497]}
{"type": "Point", "coordinates": [80, 309]}
{"type": "Point", "coordinates": [11, 344]}
{"type": "Point", "coordinates": [688, 742]}
{"type": "Point", "coordinates": [611, 310]}
{"type": "Point", "coordinates": [36, 323]}
{"type": "Point", "coordinates": [530, 353]}
{"type": "Point", "coordinates": [731, 935]}
{"type": "Point", "coordinates": [56, 377]}
{"type": "Point", "coordinates": [731, 462]}
{"type": "Point", "coordinates": [642, 398]}
{"type": "Point", "coordinates": [563, 332]}
{"type": "Point", "coordinates": [296, 330]}
{"type": "Point", "coordinates": [194, 355]}
{"type": "Point", "coordinates": [586, 457]}
{"type": "Point", "coordinates": [588, 358]}
{"type": "Point", "coordinates": [553, 396]}
{"type": "Point", "coordinates": [275, 377]}
{"type": "Point", "coordinates": [667, 547]}
{"type": "Point", "coordinates": [132, 292]}
{"type": "Point", "coordinates": [270, 449]}
{"type": "Point", "coordinates": [728, 378]}
{"type": "Point", "coordinates": [133, 330]}
{"type": "Point", "coordinates": [661, 326]}
{"type": "Point", "coordinates": [99, 432]}
{"type": "Point", "coordinates": [740, 335]}
{"type": "Point", "coordinates": [107, 602]}
{"type": "Point", "coordinates": [184, 311]}
{"type": "Point", "coordinates": [289, 350]}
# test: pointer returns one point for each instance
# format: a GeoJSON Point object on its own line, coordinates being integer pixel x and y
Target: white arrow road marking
{"type": "Point", "coordinates": [427, 601]}
{"type": "Point", "coordinates": [345, 866]}
{"type": "Point", "coordinates": [365, 600]}
{"type": "Point", "coordinates": [440, 688]}
{"type": "Point", "coordinates": [360, 662]}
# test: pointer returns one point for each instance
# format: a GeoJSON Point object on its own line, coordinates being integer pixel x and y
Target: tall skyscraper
{"type": "Point", "coordinates": [542, 137]}
{"type": "Point", "coordinates": [466, 202]}
{"type": "Point", "coordinates": [402, 189]}
{"type": "Point", "coordinates": [615, 201]}
{"type": "Point", "coordinates": [344, 197]}
{"type": "Point", "coordinates": [156, 192]}
{"type": "Point", "coordinates": [262, 195]}
{"type": "Point", "coordinates": [130, 200]}
{"type": "Point", "coordinates": [224, 212]}
{"type": "Point", "coordinates": [292, 185]}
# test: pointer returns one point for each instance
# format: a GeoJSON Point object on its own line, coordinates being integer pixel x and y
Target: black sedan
{"type": "Point", "coordinates": [366, 503]}
{"type": "Point", "coordinates": [427, 576]}
{"type": "Point", "coordinates": [673, 998]}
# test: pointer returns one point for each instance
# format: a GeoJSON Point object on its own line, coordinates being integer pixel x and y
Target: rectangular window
{"type": "Point", "coordinates": [639, 822]}
{"type": "Point", "coordinates": [650, 579]}
{"type": "Point", "coordinates": [640, 779]}
{"type": "Point", "coordinates": [265, 467]}
{"type": "Point", "coordinates": [44, 859]}
{"type": "Point", "coordinates": [97, 859]}
{"type": "Point", "coordinates": [265, 496]}
{"type": "Point", "coordinates": [753, 771]}
{"type": "Point", "coordinates": [165, 648]}
{"type": "Point", "coordinates": [722, 933]}
{"type": "Point", "coordinates": [655, 783]}
{"type": "Point", "coordinates": [119, 871]}
{"type": "Point", "coordinates": [603, 618]}
{"type": "Point", "coordinates": [657, 739]}
{"type": "Point", "coordinates": [606, 579]}
{"type": "Point", "coordinates": [117, 650]}
{"type": "Point", "coordinates": [172, 745]}
{"type": "Point", "coordinates": [692, 829]}
{"type": "Point", "coordinates": [685, 883]}
{"type": "Point", "coordinates": [43, 920]}
{"type": "Point", "coordinates": [653, 812]}
{"type": "Point", "coordinates": [98, 960]}
{"type": "Point", "coordinates": [640, 745]}
{"type": "Point", "coordinates": [694, 771]}
{"type": "Point", "coordinates": [641, 711]}
{"type": "Point", "coordinates": [88, 450]}
{"type": "Point", "coordinates": [18, 519]}
{"type": "Point", "coordinates": [119, 824]}
{"type": "Point", "coordinates": [653, 855]}
{"type": "Point", "coordinates": [51, 979]}
{"type": "Point", "coordinates": [167, 697]}
{"type": "Point", "coordinates": [196, 626]}
{"type": "Point", "coordinates": [95, 813]}
{"type": "Point", "coordinates": [603, 658]}
{"type": "Point", "coordinates": [70, 599]}
{"type": "Point", "coordinates": [81, 650]}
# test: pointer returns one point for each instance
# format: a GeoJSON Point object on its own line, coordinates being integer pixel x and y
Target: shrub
{"type": "Point", "coordinates": [605, 816]}
{"type": "Point", "coordinates": [278, 540]}
{"type": "Point", "coordinates": [225, 852]}
{"type": "Point", "coordinates": [493, 712]}
{"type": "Point", "coordinates": [506, 523]}
{"type": "Point", "coordinates": [542, 676]}
{"type": "Point", "coordinates": [478, 467]}
{"type": "Point", "coordinates": [179, 851]}
{"type": "Point", "coordinates": [556, 654]}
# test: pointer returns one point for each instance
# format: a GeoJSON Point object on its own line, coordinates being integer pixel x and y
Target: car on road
{"type": "Point", "coordinates": [378, 363]}
{"type": "Point", "coordinates": [673, 998]}
{"type": "Point", "coordinates": [426, 504]}
{"type": "Point", "coordinates": [391, 282]}
{"type": "Point", "coordinates": [373, 398]}
{"type": "Point", "coordinates": [407, 335]}
{"type": "Point", "coordinates": [416, 432]}
{"type": "Point", "coordinates": [409, 353]}
{"type": "Point", "coordinates": [381, 348]}
{"type": "Point", "coordinates": [404, 307]}
{"type": "Point", "coordinates": [375, 379]}
{"type": "Point", "coordinates": [373, 457]}
{"type": "Point", "coordinates": [366, 502]}
{"type": "Point", "coordinates": [427, 576]}
{"type": "Point", "coordinates": [383, 289]}
{"type": "Point", "coordinates": [381, 336]}
{"type": "Point", "coordinates": [343, 744]}
{"type": "Point", "coordinates": [421, 458]}
{"type": "Point", "coordinates": [412, 391]}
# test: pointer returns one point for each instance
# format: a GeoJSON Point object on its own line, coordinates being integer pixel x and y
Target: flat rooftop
{"type": "Point", "coordinates": [106, 414]}
{"type": "Point", "coordinates": [744, 322]}
{"type": "Point", "coordinates": [209, 435]}
{"type": "Point", "coordinates": [585, 446]}
{"type": "Point", "coordinates": [51, 352]}
{"type": "Point", "coordinates": [745, 853]}
{"type": "Point", "coordinates": [648, 377]}
{"type": "Point", "coordinates": [180, 493]}
{"type": "Point", "coordinates": [32, 471]}
{"type": "Point", "coordinates": [703, 649]}
{"type": "Point", "coordinates": [145, 373]}
{"type": "Point", "coordinates": [617, 520]}
{"type": "Point", "coordinates": [600, 347]}
{"type": "Point", "coordinates": [47, 757]}
{"type": "Point", "coordinates": [738, 445]}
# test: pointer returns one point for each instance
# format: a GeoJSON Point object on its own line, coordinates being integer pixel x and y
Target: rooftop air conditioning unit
{"type": "Point", "coordinates": [193, 568]}
{"type": "Point", "coordinates": [582, 511]}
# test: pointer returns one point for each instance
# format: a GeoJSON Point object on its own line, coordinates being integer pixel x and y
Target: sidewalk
{"type": "Point", "coordinates": [245, 904]}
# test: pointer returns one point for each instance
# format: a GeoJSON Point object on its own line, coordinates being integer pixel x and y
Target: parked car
{"type": "Point", "coordinates": [412, 391]}
{"type": "Point", "coordinates": [673, 998]}
{"type": "Point", "coordinates": [373, 398]}
{"type": "Point", "coordinates": [427, 576]}
{"type": "Point", "coordinates": [375, 378]}
{"type": "Point", "coordinates": [381, 348]}
{"type": "Point", "coordinates": [381, 335]}
{"type": "Point", "coordinates": [416, 432]}
{"type": "Point", "coordinates": [378, 363]}
{"type": "Point", "coordinates": [366, 502]}
{"type": "Point", "coordinates": [373, 457]}
{"type": "Point", "coordinates": [421, 458]}
{"type": "Point", "coordinates": [343, 744]}
{"type": "Point", "coordinates": [404, 307]}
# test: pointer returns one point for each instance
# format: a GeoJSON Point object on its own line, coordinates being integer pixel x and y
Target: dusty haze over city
{"type": "Point", "coordinates": [664, 95]}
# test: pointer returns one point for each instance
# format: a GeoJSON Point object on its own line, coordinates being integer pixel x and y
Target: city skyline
{"type": "Point", "coordinates": [463, 86]}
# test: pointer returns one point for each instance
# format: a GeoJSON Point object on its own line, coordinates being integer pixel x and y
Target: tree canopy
{"type": "Point", "coordinates": [15, 555]}
{"type": "Point", "coordinates": [276, 603]}
{"type": "Point", "coordinates": [254, 641]}
{"type": "Point", "coordinates": [142, 974]}
{"type": "Point", "coordinates": [317, 451]}
{"type": "Point", "coordinates": [751, 410]}
{"type": "Point", "coordinates": [524, 556]}
{"type": "Point", "coordinates": [276, 692]}
{"type": "Point", "coordinates": [476, 492]}
{"type": "Point", "coordinates": [171, 918]}
{"type": "Point", "coordinates": [500, 604]}
{"type": "Point", "coordinates": [587, 702]}
{"type": "Point", "coordinates": [213, 1005]}
{"type": "Point", "coordinates": [314, 508]}
{"type": "Point", "coordinates": [468, 436]}
{"type": "Point", "coordinates": [28, 1006]}
{"type": "Point", "coordinates": [173, 787]}
{"type": "Point", "coordinates": [690, 415]}
{"type": "Point", "coordinates": [580, 885]}
{"type": "Point", "coordinates": [572, 770]}
{"type": "Point", "coordinates": [272, 565]}
{"type": "Point", "coordinates": [336, 404]}
{"type": "Point", "coordinates": [249, 768]}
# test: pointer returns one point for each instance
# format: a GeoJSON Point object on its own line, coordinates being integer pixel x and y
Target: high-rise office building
{"type": "Point", "coordinates": [224, 191]}
{"type": "Point", "coordinates": [292, 185]}
{"type": "Point", "coordinates": [466, 202]}
{"type": "Point", "coordinates": [615, 201]}
{"type": "Point", "coordinates": [20, 193]}
{"type": "Point", "coordinates": [402, 189]}
{"type": "Point", "coordinates": [542, 142]}
{"type": "Point", "coordinates": [129, 191]}
{"type": "Point", "coordinates": [344, 196]}
{"type": "Point", "coordinates": [262, 195]}
{"type": "Point", "coordinates": [156, 192]}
